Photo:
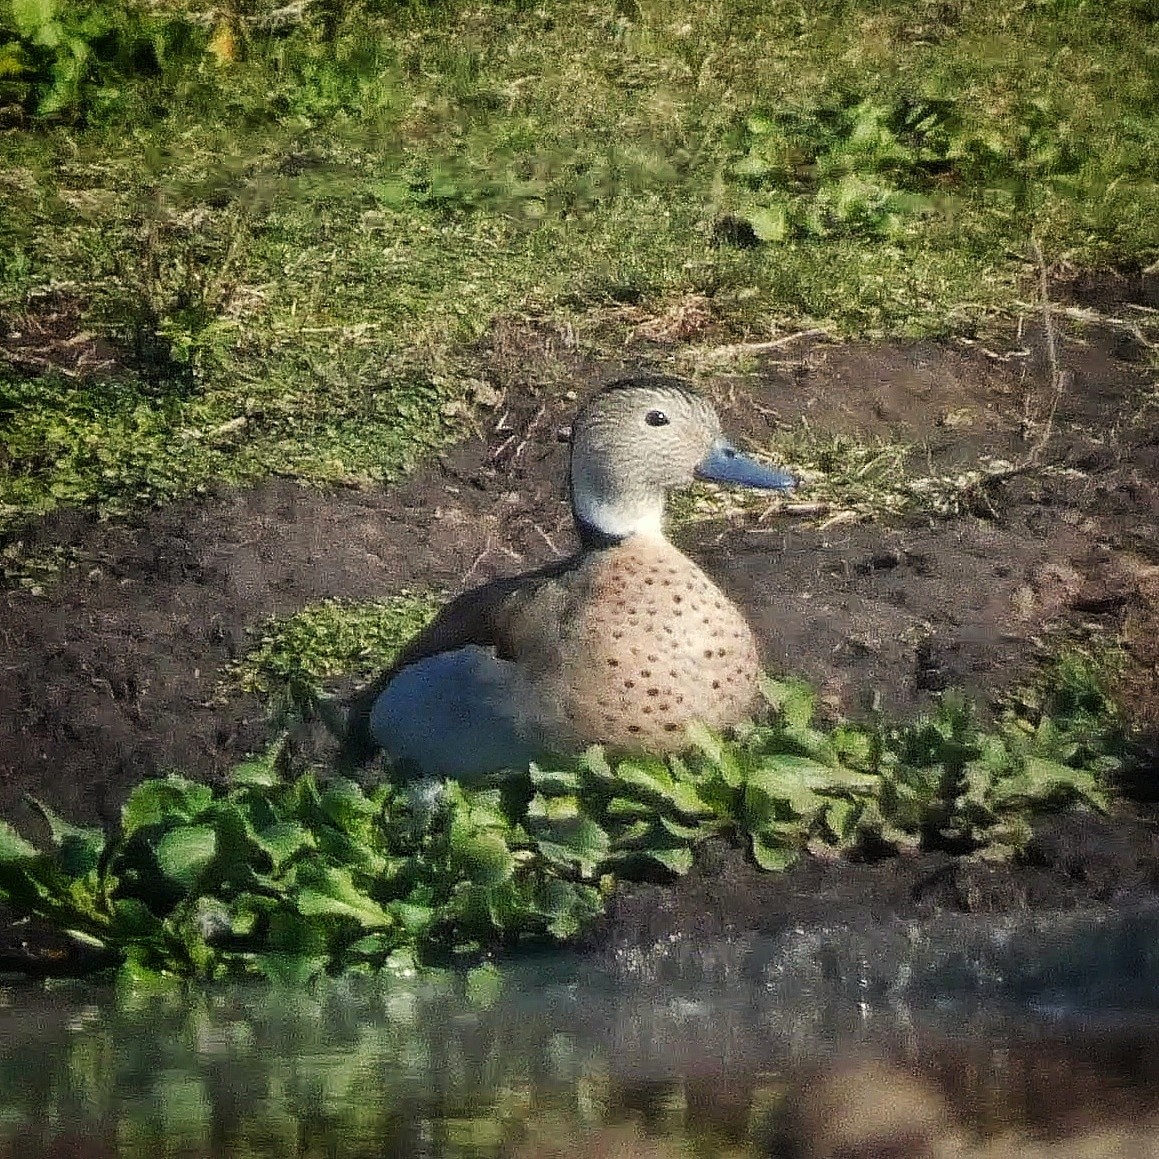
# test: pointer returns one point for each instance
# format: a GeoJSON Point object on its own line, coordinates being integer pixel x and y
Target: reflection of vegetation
{"type": "Point", "coordinates": [342, 1070]}
{"type": "Point", "coordinates": [304, 290]}
{"type": "Point", "coordinates": [282, 876]}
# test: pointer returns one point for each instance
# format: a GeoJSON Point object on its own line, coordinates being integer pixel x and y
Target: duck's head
{"type": "Point", "coordinates": [637, 438]}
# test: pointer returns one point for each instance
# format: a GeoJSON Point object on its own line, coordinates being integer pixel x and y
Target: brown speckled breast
{"type": "Point", "coordinates": [653, 645]}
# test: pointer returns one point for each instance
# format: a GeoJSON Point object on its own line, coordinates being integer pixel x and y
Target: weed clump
{"type": "Point", "coordinates": [287, 873]}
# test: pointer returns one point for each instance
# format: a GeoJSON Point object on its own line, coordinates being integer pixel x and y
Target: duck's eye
{"type": "Point", "coordinates": [656, 418]}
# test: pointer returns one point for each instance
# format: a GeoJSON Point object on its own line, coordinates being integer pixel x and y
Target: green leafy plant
{"type": "Point", "coordinates": [68, 58]}
{"type": "Point", "coordinates": [874, 166]}
{"type": "Point", "coordinates": [277, 876]}
{"type": "Point", "coordinates": [854, 169]}
{"type": "Point", "coordinates": [283, 875]}
{"type": "Point", "coordinates": [279, 228]}
{"type": "Point", "coordinates": [333, 638]}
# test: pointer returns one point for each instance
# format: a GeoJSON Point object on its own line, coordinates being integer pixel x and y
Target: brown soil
{"type": "Point", "coordinates": [110, 677]}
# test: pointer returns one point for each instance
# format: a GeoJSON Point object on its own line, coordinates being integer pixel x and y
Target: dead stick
{"type": "Point", "coordinates": [1058, 377]}
{"type": "Point", "coordinates": [741, 348]}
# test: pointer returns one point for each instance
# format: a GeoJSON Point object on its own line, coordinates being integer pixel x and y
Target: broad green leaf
{"type": "Point", "coordinates": [1048, 781]}
{"type": "Point", "coordinates": [787, 769]}
{"type": "Point", "coordinates": [580, 841]}
{"type": "Point", "coordinates": [332, 892]}
{"type": "Point", "coordinates": [486, 810]}
{"type": "Point", "coordinates": [80, 853]}
{"type": "Point", "coordinates": [685, 798]}
{"type": "Point", "coordinates": [624, 807]}
{"type": "Point", "coordinates": [793, 700]}
{"type": "Point", "coordinates": [654, 778]}
{"type": "Point", "coordinates": [769, 786]}
{"type": "Point", "coordinates": [841, 815]}
{"type": "Point", "coordinates": [259, 773]}
{"type": "Point", "coordinates": [283, 839]}
{"type": "Point", "coordinates": [633, 832]}
{"type": "Point", "coordinates": [812, 742]}
{"type": "Point", "coordinates": [649, 776]}
{"type": "Point", "coordinates": [568, 906]}
{"type": "Point", "coordinates": [852, 745]}
{"type": "Point", "coordinates": [482, 856]}
{"type": "Point", "coordinates": [373, 945]}
{"type": "Point", "coordinates": [554, 781]}
{"type": "Point", "coordinates": [183, 853]}
{"type": "Point", "coordinates": [553, 808]}
{"type": "Point", "coordinates": [289, 932]}
{"type": "Point", "coordinates": [13, 847]}
{"type": "Point", "coordinates": [343, 849]}
{"type": "Point", "coordinates": [164, 800]}
{"type": "Point", "coordinates": [415, 919]}
{"type": "Point", "coordinates": [686, 832]}
{"type": "Point", "coordinates": [720, 754]}
{"type": "Point", "coordinates": [348, 807]}
{"type": "Point", "coordinates": [678, 860]}
{"type": "Point", "coordinates": [772, 854]}
{"type": "Point", "coordinates": [134, 921]}
{"type": "Point", "coordinates": [595, 761]}
{"type": "Point", "coordinates": [60, 829]}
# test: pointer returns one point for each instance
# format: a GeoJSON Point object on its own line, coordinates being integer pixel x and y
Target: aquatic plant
{"type": "Point", "coordinates": [286, 874]}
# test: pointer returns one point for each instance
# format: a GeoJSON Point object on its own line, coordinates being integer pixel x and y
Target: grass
{"type": "Point", "coordinates": [333, 638]}
{"type": "Point", "coordinates": [297, 233]}
{"type": "Point", "coordinates": [848, 477]}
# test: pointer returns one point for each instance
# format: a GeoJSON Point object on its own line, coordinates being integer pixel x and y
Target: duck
{"type": "Point", "coordinates": [623, 644]}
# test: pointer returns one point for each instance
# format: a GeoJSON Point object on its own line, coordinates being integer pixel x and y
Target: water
{"type": "Point", "coordinates": [960, 1036]}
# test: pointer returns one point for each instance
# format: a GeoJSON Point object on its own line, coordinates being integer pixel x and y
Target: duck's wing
{"type": "Point", "coordinates": [512, 616]}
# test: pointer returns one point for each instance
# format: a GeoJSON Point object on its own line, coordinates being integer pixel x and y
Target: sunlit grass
{"type": "Point", "coordinates": [847, 477]}
{"type": "Point", "coordinates": [332, 638]}
{"type": "Point", "coordinates": [301, 239]}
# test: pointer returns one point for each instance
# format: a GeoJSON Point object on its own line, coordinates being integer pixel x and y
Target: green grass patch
{"type": "Point", "coordinates": [297, 224]}
{"type": "Point", "coordinates": [333, 638]}
{"type": "Point", "coordinates": [286, 875]}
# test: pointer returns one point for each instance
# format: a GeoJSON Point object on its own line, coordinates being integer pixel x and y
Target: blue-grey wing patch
{"type": "Point", "coordinates": [455, 714]}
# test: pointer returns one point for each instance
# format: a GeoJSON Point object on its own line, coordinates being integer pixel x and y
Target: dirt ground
{"type": "Point", "coordinates": [110, 676]}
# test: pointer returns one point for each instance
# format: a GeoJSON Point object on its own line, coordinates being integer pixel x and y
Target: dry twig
{"type": "Point", "coordinates": [744, 349]}
{"type": "Point", "coordinates": [1059, 379]}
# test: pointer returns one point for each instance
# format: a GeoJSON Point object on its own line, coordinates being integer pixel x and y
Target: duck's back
{"type": "Point", "coordinates": [650, 644]}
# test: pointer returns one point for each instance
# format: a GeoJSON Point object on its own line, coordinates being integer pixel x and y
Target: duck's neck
{"type": "Point", "coordinates": [602, 522]}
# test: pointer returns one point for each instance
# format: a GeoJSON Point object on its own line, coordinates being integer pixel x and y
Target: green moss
{"type": "Point", "coordinates": [333, 638]}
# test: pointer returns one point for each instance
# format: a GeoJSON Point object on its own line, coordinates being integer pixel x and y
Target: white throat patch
{"type": "Point", "coordinates": [621, 519]}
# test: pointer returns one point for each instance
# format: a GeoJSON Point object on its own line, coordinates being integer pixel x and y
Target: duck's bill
{"type": "Point", "coordinates": [725, 464]}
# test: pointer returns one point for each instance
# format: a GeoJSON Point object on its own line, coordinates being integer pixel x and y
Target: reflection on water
{"type": "Point", "coordinates": [952, 1038]}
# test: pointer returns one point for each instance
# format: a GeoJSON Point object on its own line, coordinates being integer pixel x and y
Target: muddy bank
{"type": "Point", "coordinates": [113, 674]}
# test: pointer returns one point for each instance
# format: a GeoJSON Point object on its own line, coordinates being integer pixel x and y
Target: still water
{"type": "Point", "coordinates": [959, 1037]}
